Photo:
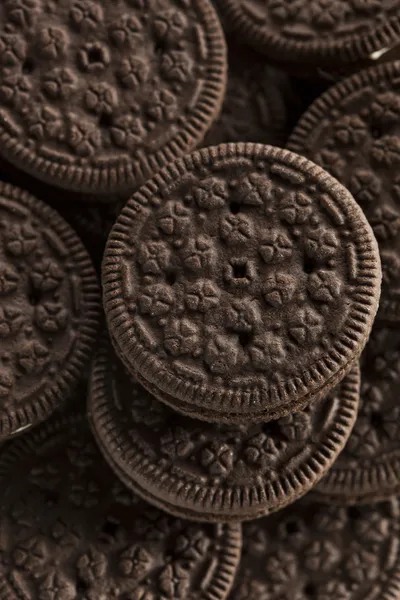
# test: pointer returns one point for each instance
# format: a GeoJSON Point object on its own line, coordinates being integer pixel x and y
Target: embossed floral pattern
{"type": "Point", "coordinates": [134, 562]}
{"type": "Point", "coordinates": [176, 66]}
{"type": "Point", "coordinates": [127, 132]}
{"type": "Point", "coordinates": [59, 83]}
{"type": "Point", "coordinates": [181, 337]}
{"type": "Point", "coordinates": [100, 98]}
{"type": "Point", "coordinates": [236, 229]}
{"type": "Point", "coordinates": [266, 351]}
{"type": "Point", "coordinates": [202, 295]}
{"type": "Point", "coordinates": [221, 354]}
{"type": "Point", "coordinates": [170, 25]}
{"type": "Point", "coordinates": [279, 289]}
{"type": "Point", "coordinates": [217, 458]}
{"type": "Point", "coordinates": [365, 186]}
{"type": "Point", "coordinates": [52, 43]}
{"type": "Point", "coordinates": [157, 300]}
{"type": "Point", "coordinates": [199, 254]}
{"type": "Point", "coordinates": [22, 12]}
{"type": "Point", "coordinates": [126, 30]}
{"type": "Point", "coordinates": [211, 194]}
{"type": "Point", "coordinates": [276, 246]}
{"type": "Point", "coordinates": [350, 130]}
{"type": "Point", "coordinates": [15, 89]}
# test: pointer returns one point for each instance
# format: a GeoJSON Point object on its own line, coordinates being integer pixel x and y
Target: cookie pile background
{"type": "Point", "coordinates": [199, 300]}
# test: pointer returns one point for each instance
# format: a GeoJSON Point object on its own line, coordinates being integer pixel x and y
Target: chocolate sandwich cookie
{"type": "Point", "coordinates": [96, 95]}
{"type": "Point", "coordinates": [255, 108]}
{"type": "Point", "coordinates": [368, 469]}
{"type": "Point", "coordinates": [50, 310]}
{"type": "Point", "coordinates": [213, 472]}
{"type": "Point", "coordinates": [353, 131]}
{"type": "Point", "coordinates": [314, 32]}
{"type": "Point", "coordinates": [315, 552]}
{"type": "Point", "coordinates": [70, 530]}
{"type": "Point", "coordinates": [91, 216]}
{"type": "Point", "coordinates": [242, 279]}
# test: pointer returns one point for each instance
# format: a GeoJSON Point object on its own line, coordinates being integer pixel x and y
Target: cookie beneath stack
{"type": "Point", "coordinates": [209, 471]}
{"type": "Point", "coordinates": [71, 530]}
{"type": "Point", "coordinates": [313, 551]}
{"type": "Point", "coordinates": [353, 131]}
{"type": "Point", "coordinates": [368, 469]}
{"type": "Point", "coordinates": [241, 282]}
{"type": "Point", "coordinates": [50, 311]}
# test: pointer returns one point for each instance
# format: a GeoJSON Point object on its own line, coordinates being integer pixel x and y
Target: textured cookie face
{"type": "Point", "coordinates": [232, 280]}
{"type": "Point", "coordinates": [95, 95]}
{"type": "Point", "coordinates": [312, 551]}
{"type": "Point", "coordinates": [255, 104]}
{"type": "Point", "coordinates": [49, 310]}
{"type": "Point", "coordinates": [368, 467]}
{"type": "Point", "coordinates": [210, 471]}
{"type": "Point", "coordinates": [315, 30]}
{"type": "Point", "coordinates": [71, 530]}
{"type": "Point", "coordinates": [353, 131]}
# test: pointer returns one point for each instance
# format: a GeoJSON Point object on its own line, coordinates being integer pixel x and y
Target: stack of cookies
{"type": "Point", "coordinates": [199, 300]}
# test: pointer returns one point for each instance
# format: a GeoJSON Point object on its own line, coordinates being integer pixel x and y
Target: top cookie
{"type": "Point", "coordinates": [353, 131]}
{"type": "Point", "coordinates": [241, 279]}
{"type": "Point", "coordinates": [316, 32]}
{"type": "Point", "coordinates": [95, 94]}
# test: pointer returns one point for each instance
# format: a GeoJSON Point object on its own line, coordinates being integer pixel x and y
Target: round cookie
{"type": "Point", "coordinates": [311, 551]}
{"type": "Point", "coordinates": [213, 472]}
{"type": "Point", "coordinates": [241, 279]}
{"type": "Point", "coordinates": [91, 216]}
{"type": "Point", "coordinates": [96, 95]}
{"type": "Point", "coordinates": [353, 131]}
{"type": "Point", "coordinates": [368, 469]}
{"type": "Point", "coordinates": [314, 32]}
{"type": "Point", "coordinates": [50, 310]}
{"type": "Point", "coordinates": [256, 103]}
{"type": "Point", "coordinates": [71, 530]}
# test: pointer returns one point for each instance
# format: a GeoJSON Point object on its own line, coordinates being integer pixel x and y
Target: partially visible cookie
{"type": "Point", "coordinates": [91, 216]}
{"type": "Point", "coordinates": [96, 95]}
{"type": "Point", "coordinates": [311, 551]}
{"type": "Point", "coordinates": [368, 469]}
{"type": "Point", "coordinates": [70, 530]}
{"type": "Point", "coordinates": [353, 131]}
{"type": "Point", "coordinates": [314, 32]}
{"type": "Point", "coordinates": [213, 472]}
{"type": "Point", "coordinates": [255, 107]}
{"type": "Point", "coordinates": [241, 280]}
{"type": "Point", "coordinates": [50, 310]}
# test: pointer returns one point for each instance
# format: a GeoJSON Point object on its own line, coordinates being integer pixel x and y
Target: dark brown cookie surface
{"type": "Point", "coordinates": [70, 530]}
{"type": "Point", "coordinates": [255, 105]}
{"type": "Point", "coordinates": [49, 310]}
{"type": "Point", "coordinates": [314, 552]}
{"type": "Point", "coordinates": [242, 279]}
{"type": "Point", "coordinates": [96, 95]}
{"type": "Point", "coordinates": [314, 32]}
{"type": "Point", "coordinates": [369, 466]}
{"type": "Point", "coordinates": [353, 131]}
{"type": "Point", "coordinates": [210, 471]}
